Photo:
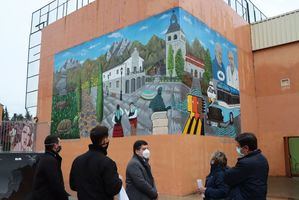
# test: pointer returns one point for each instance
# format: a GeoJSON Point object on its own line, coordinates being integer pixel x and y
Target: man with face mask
{"type": "Point", "coordinates": [140, 183]}
{"type": "Point", "coordinates": [248, 179]}
{"type": "Point", "coordinates": [48, 180]}
{"type": "Point", "coordinates": [94, 175]}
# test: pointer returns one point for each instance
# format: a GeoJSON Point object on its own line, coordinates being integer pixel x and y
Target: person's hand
{"type": "Point", "coordinates": [202, 190]}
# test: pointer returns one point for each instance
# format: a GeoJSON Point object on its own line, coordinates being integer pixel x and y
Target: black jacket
{"type": "Point", "coordinates": [139, 183]}
{"type": "Point", "coordinates": [94, 175]}
{"type": "Point", "coordinates": [248, 179]}
{"type": "Point", "coordinates": [216, 188]}
{"type": "Point", "coordinates": [48, 180]}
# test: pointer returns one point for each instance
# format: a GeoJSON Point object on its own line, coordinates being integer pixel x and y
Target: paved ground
{"type": "Point", "coordinates": [280, 188]}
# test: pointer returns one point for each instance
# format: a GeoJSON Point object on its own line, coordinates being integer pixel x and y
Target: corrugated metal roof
{"type": "Point", "coordinates": [275, 31]}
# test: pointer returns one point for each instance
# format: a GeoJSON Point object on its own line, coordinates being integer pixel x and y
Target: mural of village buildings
{"type": "Point", "coordinates": [168, 74]}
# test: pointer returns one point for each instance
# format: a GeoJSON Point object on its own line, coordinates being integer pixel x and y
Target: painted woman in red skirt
{"type": "Point", "coordinates": [116, 119]}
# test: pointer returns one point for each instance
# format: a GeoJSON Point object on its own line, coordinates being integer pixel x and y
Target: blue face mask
{"type": "Point", "coordinates": [238, 149]}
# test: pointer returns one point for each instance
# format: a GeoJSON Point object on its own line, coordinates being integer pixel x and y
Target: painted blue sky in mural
{"type": "Point", "coordinates": [143, 31]}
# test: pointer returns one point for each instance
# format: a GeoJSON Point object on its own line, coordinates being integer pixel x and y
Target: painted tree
{"type": "Point", "coordinates": [89, 86]}
{"type": "Point", "coordinates": [79, 93]}
{"type": "Point", "coordinates": [170, 62]}
{"type": "Point", "coordinates": [179, 64]}
{"type": "Point", "coordinates": [100, 95]}
{"type": "Point", "coordinates": [207, 75]}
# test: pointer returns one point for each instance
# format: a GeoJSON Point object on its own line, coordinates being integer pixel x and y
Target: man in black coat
{"type": "Point", "coordinates": [48, 180]}
{"type": "Point", "coordinates": [140, 183]}
{"type": "Point", "coordinates": [94, 175]}
{"type": "Point", "coordinates": [248, 179]}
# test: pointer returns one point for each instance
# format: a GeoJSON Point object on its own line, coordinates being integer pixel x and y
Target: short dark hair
{"type": "Point", "coordinates": [98, 133]}
{"type": "Point", "coordinates": [137, 145]}
{"type": "Point", "coordinates": [49, 142]}
{"type": "Point", "coordinates": [248, 139]}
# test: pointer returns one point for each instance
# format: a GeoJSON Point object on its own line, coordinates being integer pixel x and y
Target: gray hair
{"type": "Point", "coordinates": [219, 158]}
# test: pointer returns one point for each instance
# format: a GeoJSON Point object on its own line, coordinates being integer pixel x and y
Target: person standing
{"type": "Point", "coordinates": [215, 188]}
{"type": "Point", "coordinates": [48, 179]}
{"type": "Point", "coordinates": [93, 174]}
{"type": "Point", "coordinates": [140, 184]}
{"type": "Point", "coordinates": [248, 179]}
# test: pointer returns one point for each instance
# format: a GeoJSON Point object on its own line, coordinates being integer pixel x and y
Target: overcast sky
{"type": "Point", "coordinates": [15, 20]}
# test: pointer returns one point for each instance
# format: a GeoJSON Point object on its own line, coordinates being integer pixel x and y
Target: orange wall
{"type": "Point", "coordinates": [1, 110]}
{"type": "Point", "coordinates": [177, 160]}
{"type": "Point", "coordinates": [277, 109]}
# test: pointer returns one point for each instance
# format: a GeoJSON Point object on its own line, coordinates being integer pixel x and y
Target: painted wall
{"type": "Point", "coordinates": [172, 67]}
{"type": "Point", "coordinates": [97, 19]}
{"type": "Point", "coordinates": [1, 111]}
{"type": "Point", "coordinates": [277, 107]}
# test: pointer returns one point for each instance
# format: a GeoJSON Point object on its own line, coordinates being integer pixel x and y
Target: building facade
{"type": "Point", "coordinates": [126, 77]}
{"type": "Point", "coordinates": [175, 39]}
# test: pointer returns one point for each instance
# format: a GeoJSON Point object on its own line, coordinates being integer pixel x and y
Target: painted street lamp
{"type": "Point", "coordinates": [121, 85]}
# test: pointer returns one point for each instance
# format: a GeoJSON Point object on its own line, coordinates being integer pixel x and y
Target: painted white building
{"type": "Point", "coordinates": [175, 37]}
{"type": "Point", "coordinates": [126, 77]}
{"type": "Point", "coordinates": [194, 66]}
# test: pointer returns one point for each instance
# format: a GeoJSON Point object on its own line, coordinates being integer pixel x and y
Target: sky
{"type": "Point", "coordinates": [15, 20]}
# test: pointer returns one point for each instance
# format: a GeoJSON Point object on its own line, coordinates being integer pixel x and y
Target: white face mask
{"type": "Point", "coordinates": [238, 149]}
{"type": "Point", "coordinates": [146, 154]}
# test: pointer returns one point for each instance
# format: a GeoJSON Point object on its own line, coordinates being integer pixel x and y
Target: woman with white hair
{"type": "Point", "coordinates": [215, 188]}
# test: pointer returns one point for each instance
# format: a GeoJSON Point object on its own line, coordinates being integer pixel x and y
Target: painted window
{"type": "Point", "coordinates": [128, 71]}
{"type": "Point", "coordinates": [117, 84]}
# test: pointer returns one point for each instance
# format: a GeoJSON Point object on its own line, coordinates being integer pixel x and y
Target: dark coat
{"type": "Point", "coordinates": [48, 180]}
{"type": "Point", "coordinates": [216, 188]}
{"type": "Point", "coordinates": [94, 175]}
{"type": "Point", "coordinates": [139, 184]}
{"type": "Point", "coordinates": [248, 179]}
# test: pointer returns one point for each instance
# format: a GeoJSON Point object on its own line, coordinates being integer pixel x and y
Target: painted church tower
{"type": "Point", "coordinates": [175, 38]}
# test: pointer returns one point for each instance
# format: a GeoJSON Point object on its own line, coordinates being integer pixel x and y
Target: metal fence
{"type": "Point", "coordinates": [247, 10]}
{"type": "Point", "coordinates": [58, 9]}
{"type": "Point", "coordinates": [18, 136]}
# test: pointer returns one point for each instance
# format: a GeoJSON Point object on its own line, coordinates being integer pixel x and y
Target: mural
{"type": "Point", "coordinates": [168, 74]}
{"type": "Point", "coordinates": [17, 136]}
